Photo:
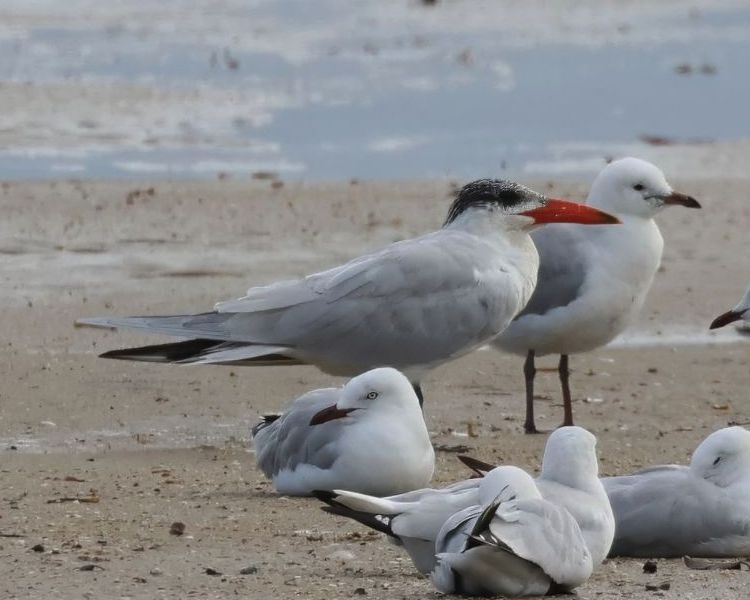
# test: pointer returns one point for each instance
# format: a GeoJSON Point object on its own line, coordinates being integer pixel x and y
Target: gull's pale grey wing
{"type": "Point", "coordinates": [289, 440]}
{"type": "Point", "coordinates": [436, 493]}
{"type": "Point", "coordinates": [562, 269]}
{"type": "Point", "coordinates": [454, 534]}
{"type": "Point", "coordinates": [669, 513]}
{"type": "Point", "coordinates": [547, 535]}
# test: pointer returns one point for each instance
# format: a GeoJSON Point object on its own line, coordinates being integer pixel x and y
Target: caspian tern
{"type": "Point", "coordinates": [515, 543]}
{"type": "Point", "coordinates": [413, 305]}
{"type": "Point", "coordinates": [368, 435]}
{"type": "Point", "coordinates": [741, 312]}
{"type": "Point", "coordinates": [592, 282]}
{"type": "Point", "coordinates": [696, 510]}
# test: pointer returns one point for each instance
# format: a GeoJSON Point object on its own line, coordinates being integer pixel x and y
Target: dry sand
{"type": "Point", "coordinates": [159, 444]}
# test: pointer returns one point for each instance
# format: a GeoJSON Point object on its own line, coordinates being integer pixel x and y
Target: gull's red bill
{"type": "Point", "coordinates": [565, 211]}
{"type": "Point", "coordinates": [329, 414]}
{"type": "Point", "coordinates": [726, 318]}
{"type": "Point", "coordinates": [682, 200]}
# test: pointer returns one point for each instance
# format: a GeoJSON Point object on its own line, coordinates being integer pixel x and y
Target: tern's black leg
{"type": "Point", "coordinates": [418, 392]}
{"type": "Point", "coordinates": [564, 382]}
{"type": "Point", "coordinates": [529, 371]}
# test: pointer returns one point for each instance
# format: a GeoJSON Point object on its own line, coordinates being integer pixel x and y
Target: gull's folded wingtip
{"type": "Point", "coordinates": [95, 323]}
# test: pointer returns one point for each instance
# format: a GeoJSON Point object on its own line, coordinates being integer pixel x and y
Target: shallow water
{"type": "Point", "coordinates": [333, 90]}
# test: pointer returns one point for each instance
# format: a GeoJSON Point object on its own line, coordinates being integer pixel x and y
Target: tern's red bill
{"type": "Point", "coordinates": [565, 211]}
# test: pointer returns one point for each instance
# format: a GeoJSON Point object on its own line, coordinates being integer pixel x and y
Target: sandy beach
{"type": "Point", "coordinates": [100, 458]}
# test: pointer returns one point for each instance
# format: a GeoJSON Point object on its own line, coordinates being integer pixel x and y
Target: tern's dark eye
{"type": "Point", "coordinates": [639, 187]}
{"type": "Point", "coordinates": [718, 458]}
{"type": "Point", "coordinates": [372, 395]}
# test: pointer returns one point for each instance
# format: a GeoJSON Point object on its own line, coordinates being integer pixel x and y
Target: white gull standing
{"type": "Point", "coordinates": [413, 305]}
{"type": "Point", "coordinates": [696, 510]}
{"type": "Point", "coordinates": [368, 435]}
{"type": "Point", "coordinates": [515, 543]}
{"type": "Point", "coordinates": [569, 478]}
{"type": "Point", "coordinates": [741, 312]}
{"type": "Point", "coordinates": [592, 282]}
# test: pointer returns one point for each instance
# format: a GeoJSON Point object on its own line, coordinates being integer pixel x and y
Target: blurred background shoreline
{"type": "Point", "coordinates": [334, 90]}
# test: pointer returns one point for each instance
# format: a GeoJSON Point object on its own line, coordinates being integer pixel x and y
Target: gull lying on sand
{"type": "Point", "coordinates": [514, 544]}
{"type": "Point", "coordinates": [368, 435]}
{"type": "Point", "coordinates": [696, 510]}
{"type": "Point", "coordinates": [569, 479]}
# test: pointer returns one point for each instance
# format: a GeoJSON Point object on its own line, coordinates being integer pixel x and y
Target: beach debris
{"type": "Point", "coordinates": [265, 175]}
{"type": "Point", "coordinates": [455, 448]}
{"type": "Point", "coordinates": [177, 528]}
{"type": "Point", "coordinates": [249, 570]}
{"type": "Point", "coordinates": [704, 564]}
{"type": "Point", "coordinates": [212, 572]}
{"type": "Point", "coordinates": [92, 498]}
{"type": "Point", "coordinates": [655, 587]}
{"type": "Point", "coordinates": [649, 567]}
{"type": "Point", "coordinates": [89, 567]}
{"type": "Point", "coordinates": [137, 194]}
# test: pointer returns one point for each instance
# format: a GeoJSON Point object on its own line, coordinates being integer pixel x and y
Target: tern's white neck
{"type": "Point", "coordinates": [492, 222]}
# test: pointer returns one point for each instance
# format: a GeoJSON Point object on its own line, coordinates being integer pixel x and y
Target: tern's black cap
{"type": "Point", "coordinates": [488, 192]}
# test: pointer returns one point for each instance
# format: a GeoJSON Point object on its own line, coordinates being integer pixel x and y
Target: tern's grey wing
{"type": "Point", "coordinates": [672, 513]}
{"type": "Point", "coordinates": [562, 269]}
{"type": "Point", "coordinates": [290, 440]}
{"type": "Point", "coordinates": [415, 302]}
{"type": "Point", "coordinates": [547, 535]}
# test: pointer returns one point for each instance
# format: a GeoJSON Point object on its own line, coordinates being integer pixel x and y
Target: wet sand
{"type": "Point", "coordinates": [159, 444]}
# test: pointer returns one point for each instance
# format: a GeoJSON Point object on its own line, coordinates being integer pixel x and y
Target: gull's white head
{"type": "Point", "coordinates": [570, 458]}
{"type": "Point", "coordinates": [739, 312]}
{"type": "Point", "coordinates": [634, 187]}
{"type": "Point", "coordinates": [385, 387]}
{"type": "Point", "coordinates": [510, 482]}
{"type": "Point", "coordinates": [516, 207]}
{"type": "Point", "coordinates": [723, 458]}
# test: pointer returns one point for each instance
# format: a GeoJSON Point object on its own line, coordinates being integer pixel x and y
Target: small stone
{"type": "Point", "coordinates": [250, 570]}
{"type": "Point", "coordinates": [156, 571]}
{"type": "Point", "coordinates": [212, 572]}
{"type": "Point", "coordinates": [649, 566]}
{"type": "Point", "coordinates": [38, 548]}
{"type": "Point", "coordinates": [177, 528]}
{"type": "Point", "coordinates": [342, 555]}
{"type": "Point", "coordinates": [294, 581]}
{"type": "Point", "coordinates": [360, 591]}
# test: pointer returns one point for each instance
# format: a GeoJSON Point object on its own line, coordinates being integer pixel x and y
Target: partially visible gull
{"type": "Point", "coordinates": [696, 510]}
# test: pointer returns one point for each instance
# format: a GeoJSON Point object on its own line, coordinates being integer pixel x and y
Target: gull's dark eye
{"type": "Point", "coordinates": [639, 187]}
{"type": "Point", "coordinates": [372, 395]}
{"type": "Point", "coordinates": [718, 458]}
